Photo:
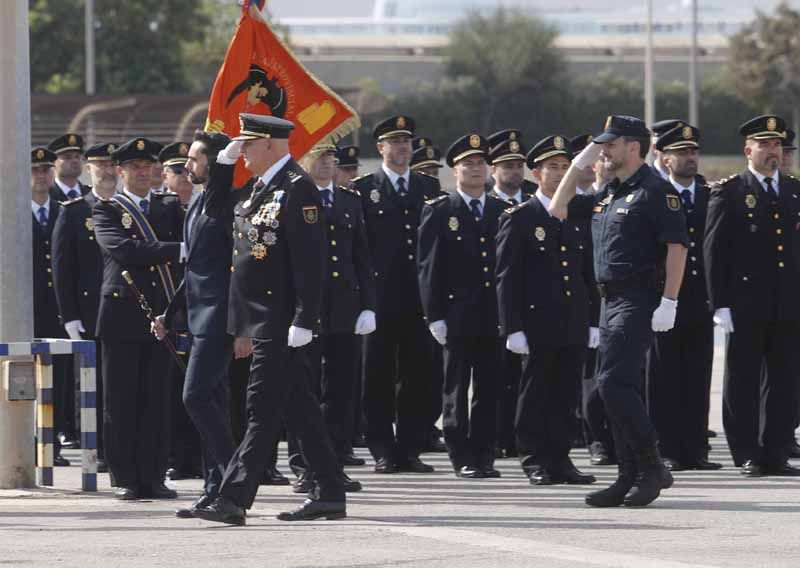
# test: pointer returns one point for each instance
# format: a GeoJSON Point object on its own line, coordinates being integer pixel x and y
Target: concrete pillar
{"type": "Point", "coordinates": [16, 269]}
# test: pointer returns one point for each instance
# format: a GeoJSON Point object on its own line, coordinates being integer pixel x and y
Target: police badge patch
{"type": "Point", "coordinates": [540, 233]}
{"type": "Point", "coordinates": [375, 195]}
{"type": "Point", "coordinates": [127, 220]}
{"type": "Point", "coordinates": [310, 214]}
{"type": "Point", "coordinates": [453, 224]}
{"type": "Point", "coordinates": [673, 203]}
{"type": "Point", "coordinates": [89, 224]}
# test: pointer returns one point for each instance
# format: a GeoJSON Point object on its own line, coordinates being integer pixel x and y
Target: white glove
{"type": "Point", "coordinates": [588, 156]}
{"type": "Point", "coordinates": [74, 329]}
{"type": "Point", "coordinates": [724, 319]}
{"type": "Point", "coordinates": [299, 336]}
{"type": "Point", "coordinates": [230, 153]}
{"type": "Point", "coordinates": [439, 331]}
{"type": "Point", "coordinates": [594, 338]}
{"type": "Point", "coordinates": [365, 324]}
{"type": "Point", "coordinates": [664, 316]}
{"type": "Point", "coordinates": [518, 343]}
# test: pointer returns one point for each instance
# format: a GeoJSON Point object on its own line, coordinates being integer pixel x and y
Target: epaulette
{"type": "Point", "coordinates": [427, 175]}
{"type": "Point", "coordinates": [348, 190]}
{"type": "Point", "coordinates": [163, 194]}
{"type": "Point", "coordinates": [436, 200]}
{"type": "Point", "coordinates": [500, 199]}
{"type": "Point", "coordinates": [722, 182]}
{"type": "Point", "coordinates": [512, 210]}
{"type": "Point", "coordinates": [790, 176]}
{"type": "Point", "coordinates": [359, 178]}
{"type": "Point", "coordinates": [72, 201]}
{"type": "Point", "coordinates": [293, 176]}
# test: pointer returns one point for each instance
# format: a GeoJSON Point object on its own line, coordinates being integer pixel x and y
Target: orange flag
{"type": "Point", "coordinates": [260, 75]}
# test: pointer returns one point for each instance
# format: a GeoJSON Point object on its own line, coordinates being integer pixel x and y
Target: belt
{"type": "Point", "coordinates": [646, 279]}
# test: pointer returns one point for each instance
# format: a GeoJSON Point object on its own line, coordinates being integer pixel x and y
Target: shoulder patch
{"type": "Point", "coordinates": [512, 210]}
{"type": "Point", "coordinates": [293, 176]}
{"type": "Point", "coordinates": [437, 200]}
{"type": "Point", "coordinates": [500, 199]}
{"type": "Point", "coordinates": [723, 182]}
{"type": "Point", "coordinates": [359, 178]}
{"type": "Point", "coordinates": [427, 175]}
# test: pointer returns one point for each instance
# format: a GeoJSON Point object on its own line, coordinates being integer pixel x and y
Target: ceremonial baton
{"type": "Point", "coordinates": [148, 311]}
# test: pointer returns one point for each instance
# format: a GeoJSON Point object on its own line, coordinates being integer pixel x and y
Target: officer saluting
{"type": "Point", "coordinates": [638, 232]}
{"type": "Point", "coordinates": [138, 232]}
{"type": "Point", "coordinates": [456, 278]}
{"type": "Point", "coordinates": [753, 271]}
{"type": "Point", "coordinates": [278, 272]}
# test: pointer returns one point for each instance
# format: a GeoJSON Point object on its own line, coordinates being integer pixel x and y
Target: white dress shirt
{"type": "Point", "coordinates": [761, 178]}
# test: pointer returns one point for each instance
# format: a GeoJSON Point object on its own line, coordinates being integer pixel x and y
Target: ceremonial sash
{"type": "Point", "coordinates": [149, 235]}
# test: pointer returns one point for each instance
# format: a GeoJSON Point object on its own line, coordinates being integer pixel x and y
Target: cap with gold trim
{"type": "Point", "coordinates": [788, 142]}
{"type": "Point", "coordinates": [466, 146]}
{"type": "Point", "coordinates": [175, 154]}
{"type": "Point", "coordinates": [137, 149]}
{"type": "Point", "coordinates": [764, 127]}
{"type": "Point", "coordinates": [555, 145]}
{"type": "Point", "coordinates": [255, 126]}
{"type": "Point", "coordinates": [507, 151]}
{"type": "Point", "coordinates": [68, 142]}
{"type": "Point", "coordinates": [322, 148]}
{"type": "Point", "coordinates": [347, 156]}
{"type": "Point", "coordinates": [661, 127]}
{"type": "Point", "coordinates": [42, 157]}
{"type": "Point", "coordinates": [420, 142]}
{"type": "Point", "coordinates": [426, 157]}
{"type": "Point", "coordinates": [100, 151]}
{"type": "Point", "coordinates": [577, 144]}
{"type": "Point", "coordinates": [504, 136]}
{"type": "Point", "coordinates": [678, 138]}
{"type": "Point", "coordinates": [400, 125]}
{"type": "Point", "coordinates": [618, 125]}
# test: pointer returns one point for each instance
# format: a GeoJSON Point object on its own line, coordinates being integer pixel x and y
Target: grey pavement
{"type": "Point", "coordinates": [435, 520]}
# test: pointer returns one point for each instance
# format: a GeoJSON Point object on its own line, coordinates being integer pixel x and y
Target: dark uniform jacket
{"type": "Point", "coordinates": [693, 304]}
{"type": "Point", "coordinates": [124, 248]}
{"type": "Point", "coordinates": [456, 265]}
{"type": "Point", "coordinates": [77, 263]}
{"type": "Point", "coordinates": [279, 252]}
{"type": "Point", "coordinates": [392, 223]}
{"type": "Point", "coordinates": [61, 197]}
{"type": "Point", "coordinates": [45, 307]}
{"type": "Point", "coordinates": [545, 279]}
{"type": "Point", "coordinates": [349, 280]}
{"type": "Point", "coordinates": [752, 248]}
{"type": "Point", "coordinates": [203, 292]}
{"type": "Point", "coordinates": [528, 187]}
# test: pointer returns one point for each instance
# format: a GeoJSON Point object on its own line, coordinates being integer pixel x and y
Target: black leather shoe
{"type": "Point", "coordinates": [163, 492]}
{"type": "Point", "coordinates": [304, 484]}
{"type": "Point", "coordinates": [490, 472]}
{"type": "Point", "coordinates": [69, 442]}
{"type": "Point", "coordinates": [783, 470]}
{"type": "Point", "coordinates": [385, 465]}
{"type": "Point", "coordinates": [188, 512]}
{"type": "Point", "coordinates": [330, 510]}
{"type": "Point", "coordinates": [673, 465]}
{"type": "Point", "coordinates": [102, 466]}
{"type": "Point", "coordinates": [222, 510]}
{"type": "Point", "coordinates": [126, 494]}
{"type": "Point", "coordinates": [539, 476]}
{"type": "Point", "coordinates": [571, 476]}
{"type": "Point", "coordinates": [60, 461]}
{"type": "Point", "coordinates": [469, 472]}
{"type": "Point", "coordinates": [351, 460]}
{"type": "Point", "coordinates": [599, 454]}
{"type": "Point", "coordinates": [751, 469]}
{"type": "Point", "coordinates": [274, 477]}
{"type": "Point", "coordinates": [703, 465]}
{"type": "Point", "coordinates": [711, 434]}
{"type": "Point", "coordinates": [350, 484]}
{"type": "Point", "coordinates": [415, 465]}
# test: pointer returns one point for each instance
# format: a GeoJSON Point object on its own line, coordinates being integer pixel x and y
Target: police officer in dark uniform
{"type": "Point", "coordinates": [347, 164]}
{"type": "Point", "coordinates": [400, 374]}
{"type": "Point", "coordinates": [501, 141]}
{"type": "Point", "coordinates": [78, 265]}
{"type": "Point", "coordinates": [544, 283]}
{"type": "Point", "coordinates": [456, 279]}
{"type": "Point", "coordinates": [679, 362]}
{"type": "Point", "coordinates": [426, 158]}
{"type": "Point", "coordinates": [789, 147]}
{"type": "Point", "coordinates": [640, 240]}
{"type": "Point", "coordinates": [140, 232]}
{"type": "Point", "coordinates": [752, 258]}
{"type": "Point", "coordinates": [278, 271]}
{"type": "Point", "coordinates": [69, 166]}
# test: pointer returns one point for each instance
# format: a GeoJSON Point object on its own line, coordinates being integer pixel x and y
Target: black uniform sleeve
{"type": "Point", "coordinates": [362, 260]}
{"type": "Point", "coordinates": [65, 263]}
{"type": "Point", "coordinates": [113, 239]}
{"type": "Point", "coordinates": [430, 265]}
{"type": "Point", "coordinates": [580, 207]}
{"type": "Point", "coordinates": [219, 189]}
{"type": "Point", "coordinates": [717, 249]}
{"type": "Point", "coordinates": [509, 272]}
{"type": "Point", "coordinates": [176, 306]}
{"type": "Point", "coordinates": [591, 284]}
{"type": "Point", "coordinates": [669, 222]}
{"type": "Point", "coordinates": [307, 252]}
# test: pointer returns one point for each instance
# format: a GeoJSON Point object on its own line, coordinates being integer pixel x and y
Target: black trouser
{"type": "Point", "coordinates": [510, 373]}
{"type": "Point", "coordinates": [756, 413]}
{"type": "Point", "coordinates": [206, 396]}
{"type": "Point", "coordinates": [435, 388]}
{"type": "Point", "coordinates": [679, 389]}
{"type": "Point", "coordinates": [185, 449]}
{"type": "Point", "coordinates": [548, 395]}
{"type": "Point", "coordinates": [66, 394]}
{"type": "Point", "coordinates": [239, 373]}
{"type": "Point", "coordinates": [398, 373]}
{"type": "Point", "coordinates": [136, 411]}
{"type": "Point", "coordinates": [625, 336]}
{"type": "Point", "coordinates": [280, 389]}
{"type": "Point", "coordinates": [469, 429]}
{"type": "Point", "coordinates": [596, 426]}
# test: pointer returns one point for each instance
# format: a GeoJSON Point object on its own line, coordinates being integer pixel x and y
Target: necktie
{"type": "Point", "coordinates": [401, 187]}
{"type": "Point", "coordinates": [72, 194]}
{"type": "Point", "coordinates": [144, 206]}
{"type": "Point", "coordinates": [773, 195]}
{"type": "Point", "coordinates": [326, 198]}
{"type": "Point", "coordinates": [475, 207]}
{"type": "Point", "coordinates": [686, 196]}
{"type": "Point", "coordinates": [43, 216]}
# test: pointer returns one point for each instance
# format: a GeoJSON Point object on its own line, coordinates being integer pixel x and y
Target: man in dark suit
{"type": "Point", "coordinates": [679, 362]}
{"type": "Point", "coordinates": [545, 285]}
{"type": "Point", "coordinates": [46, 324]}
{"type": "Point", "coordinates": [456, 279]}
{"type": "Point", "coordinates": [139, 232]}
{"type": "Point", "coordinates": [78, 265]}
{"type": "Point", "coordinates": [401, 377]}
{"type": "Point", "coordinates": [277, 278]}
{"type": "Point", "coordinates": [752, 260]}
